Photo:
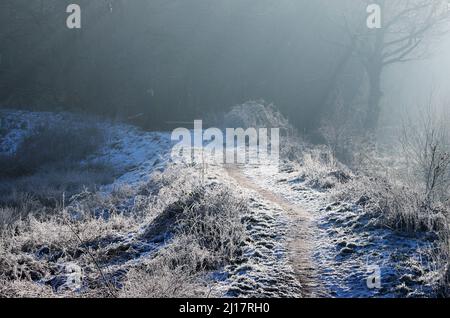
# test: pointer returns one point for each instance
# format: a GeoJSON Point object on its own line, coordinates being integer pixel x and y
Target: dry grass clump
{"type": "Point", "coordinates": [176, 271]}
{"type": "Point", "coordinates": [34, 248]}
{"type": "Point", "coordinates": [36, 231]}
{"type": "Point", "coordinates": [18, 206]}
{"type": "Point", "coordinates": [194, 227]}
{"type": "Point", "coordinates": [320, 170]}
{"type": "Point", "coordinates": [42, 193]}
{"type": "Point", "coordinates": [215, 221]}
{"type": "Point", "coordinates": [398, 206]}
{"type": "Point", "coordinates": [204, 230]}
{"type": "Point", "coordinates": [212, 215]}
{"type": "Point", "coordinates": [23, 289]}
{"type": "Point", "coordinates": [39, 234]}
{"type": "Point", "coordinates": [409, 186]}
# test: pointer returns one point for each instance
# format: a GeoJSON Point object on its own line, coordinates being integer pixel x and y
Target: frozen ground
{"type": "Point", "coordinates": [301, 243]}
{"type": "Point", "coordinates": [347, 243]}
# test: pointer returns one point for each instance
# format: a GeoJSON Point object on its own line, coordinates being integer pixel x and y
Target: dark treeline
{"type": "Point", "coordinates": [175, 60]}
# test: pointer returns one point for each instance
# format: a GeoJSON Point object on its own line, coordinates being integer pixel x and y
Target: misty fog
{"type": "Point", "coordinates": [329, 174]}
{"type": "Point", "coordinates": [180, 60]}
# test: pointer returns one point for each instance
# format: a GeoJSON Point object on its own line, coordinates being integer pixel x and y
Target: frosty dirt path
{"type": "Point", "coordinates": [300, 233]}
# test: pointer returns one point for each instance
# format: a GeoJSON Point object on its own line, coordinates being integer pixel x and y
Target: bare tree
{"type": "Point", "coordinates": [407, 26]}
{"type": "Point", "coordinates": [426, 150]}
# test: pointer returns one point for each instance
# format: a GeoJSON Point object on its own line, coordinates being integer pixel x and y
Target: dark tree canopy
{"type": "Point", "coordinates": [159, 60]}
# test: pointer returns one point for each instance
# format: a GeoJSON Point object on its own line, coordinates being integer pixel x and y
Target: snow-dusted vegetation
{"type": "Point", "coordinates": [148, 228]}
{"type": "Point", "coordinates": [229, 149]}
{"type": "Point", "coordinates": [102, 210]}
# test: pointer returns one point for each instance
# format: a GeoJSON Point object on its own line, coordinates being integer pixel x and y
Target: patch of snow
{"type": "Point", "coordinates": [133, 154]}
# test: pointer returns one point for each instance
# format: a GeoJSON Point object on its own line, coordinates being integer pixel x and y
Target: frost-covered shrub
{"type": "Point", "coordinates": [425, 150]}
{"type": "Point", "coordinates": [202, 227]}
{"type": "Point", "coordinates": [214, 219]}
{"type": "Point", "coordinates": [259, 114]}
{"type": "Point", "coordinates": [212, 216]}
{"type": "Point", "coordinates": [35, 247]}
{"type": "Point", "coordinates": [394, 190]}
{"type": "Point", "coordinates": [256, 114]}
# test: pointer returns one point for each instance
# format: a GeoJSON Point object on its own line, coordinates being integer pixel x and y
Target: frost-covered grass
{"type": "Point", "coordinates": [48, 186]}
{"type": "Point", "coordinates": [400, 199]}
{"type": "Point", "coordinates": [176, 271]}
{"type": "Point", "coordinates": [349, 235]}
{"type": "Point", "coordinates": [140, 226]}
{"type": "Point", "coordinates": [400, 207]}
{"type": "Point", "coordinates": [211, 215]}
{"type": "Point", "coordinates": [45, 165]}
{"type": "Point", "coordinates": [156, 231]}
{"type": "Point", "coordinates": [206, 232]}
{"type": "Point", "coordinates": [320, 170]}
{"type": "Point", "coordinates": [127, 246]}
{"type": "Point", "coordinates": [399, 203]}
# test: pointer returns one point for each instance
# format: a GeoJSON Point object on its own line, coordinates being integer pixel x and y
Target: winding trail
{"type": "Point", "coordinates": [300, 236]}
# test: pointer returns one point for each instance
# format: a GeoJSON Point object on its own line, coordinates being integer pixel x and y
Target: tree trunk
{"type": "Point", "coordinates": [375, 95]}
{"type": "Point", "coordinates": [330, 88]}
